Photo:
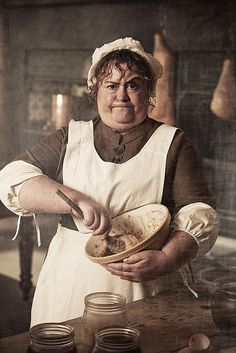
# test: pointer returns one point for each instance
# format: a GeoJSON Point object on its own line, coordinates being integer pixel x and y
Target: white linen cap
{"type": "Point", "coordinates": [124, 43]}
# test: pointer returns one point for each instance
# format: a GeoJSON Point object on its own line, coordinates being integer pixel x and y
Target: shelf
{"type": "Point", "coordinates": [37, 131]}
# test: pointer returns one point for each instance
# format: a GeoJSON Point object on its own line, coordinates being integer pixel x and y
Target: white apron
{"type": "Point", "coordinates": [68, 275]}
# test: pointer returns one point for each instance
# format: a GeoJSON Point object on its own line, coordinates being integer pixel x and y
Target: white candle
{"type": "Point", "coordinates": [60, 110]}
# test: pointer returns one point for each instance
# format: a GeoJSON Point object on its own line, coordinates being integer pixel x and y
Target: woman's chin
{"type": "Point", "coordinates": [123, 126]}
{"type": "Point", "coordinates": [122, 123]}
{"type": "Point", "coordinates": [123, 120]}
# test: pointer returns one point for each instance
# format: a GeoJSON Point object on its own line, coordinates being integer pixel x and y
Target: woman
{"type": "Point", "coordinates": [119, 161]}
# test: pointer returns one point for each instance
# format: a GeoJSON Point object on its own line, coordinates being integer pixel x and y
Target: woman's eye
{"type": "Point", "coordinates": [133, 86]}
{"type": "Point", "coordinates": [112, 87]}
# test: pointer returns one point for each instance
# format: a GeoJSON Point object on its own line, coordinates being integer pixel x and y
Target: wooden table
{"type": "Point", "coordinates": [166, 322]}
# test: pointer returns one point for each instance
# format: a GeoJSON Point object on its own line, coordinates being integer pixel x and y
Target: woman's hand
{"type": "Point", "coordinates": [142, 266]}
{"type": "Point", "coordinates": [148, 264]}
{"type": "Point", "coordinates": [96, 217]}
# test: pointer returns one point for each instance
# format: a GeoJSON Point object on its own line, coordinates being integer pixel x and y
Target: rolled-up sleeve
{"type": "Point", "coordinates": [12, 177]}
{"type": "Point", "coordinates": [201, 222]}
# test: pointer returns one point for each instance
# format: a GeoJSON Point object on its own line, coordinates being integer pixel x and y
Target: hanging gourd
{"type": "Point", "coordinates": [223, 103]}
{"type": "Point", "coordinates": [164, 107]}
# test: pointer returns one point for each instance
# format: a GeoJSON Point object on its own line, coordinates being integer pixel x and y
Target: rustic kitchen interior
{"type": "Point", "coordinates": [45, 51]}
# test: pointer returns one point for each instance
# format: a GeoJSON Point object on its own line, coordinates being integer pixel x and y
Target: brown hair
{"type": "Point", "coordinates": [134, 61]}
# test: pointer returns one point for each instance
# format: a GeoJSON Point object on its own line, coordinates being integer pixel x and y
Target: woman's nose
{"type": "Point", "coordinates": [122, 94]}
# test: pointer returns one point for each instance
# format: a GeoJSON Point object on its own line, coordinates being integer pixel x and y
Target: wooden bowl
{"type": "Point", "coordinates": [146, 227]}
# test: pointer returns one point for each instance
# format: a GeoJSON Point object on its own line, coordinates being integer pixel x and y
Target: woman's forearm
{"type": "Point", "coordinates": [180, 249]}
{"type": "Point", "coordinates": [38, 195]}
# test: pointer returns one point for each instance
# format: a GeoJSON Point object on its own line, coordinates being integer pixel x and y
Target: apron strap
{"type": "Point", "coordinates": [17, 227]}
{"type": "Point", "coordinates": [184, 273]}
{"type": "Point", "coordinates": [38, 235]}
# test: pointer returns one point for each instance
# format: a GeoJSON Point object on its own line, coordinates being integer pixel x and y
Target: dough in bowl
{"type": "Point", "coordinates": [145, 227]}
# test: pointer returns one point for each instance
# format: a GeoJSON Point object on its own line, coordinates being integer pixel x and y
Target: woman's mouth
{"type": "Point", "coordinates": [122, 106]}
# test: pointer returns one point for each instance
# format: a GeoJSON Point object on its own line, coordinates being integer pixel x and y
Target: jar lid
{"type": "Point", "coordinates": [46, 337]}
{"type": "Point", "coordinates": [105, 301]}
{"type": "Point", "coordinates": [117, 339]}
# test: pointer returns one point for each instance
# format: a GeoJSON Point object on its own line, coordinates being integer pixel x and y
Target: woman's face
{"type": "Point", "coordinates": [122, 100]}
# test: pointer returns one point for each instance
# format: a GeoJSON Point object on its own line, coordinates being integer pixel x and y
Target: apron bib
{"type": "Point", "coordinates": [67, 275]}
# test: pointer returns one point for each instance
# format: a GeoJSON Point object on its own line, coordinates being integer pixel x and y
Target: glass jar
{"type": "Point", "coordinates": [52, 338]}
{"type": "Point", "coordinates": [117, 340]}
{"type": "Point", "coordinates": [223, 309]}
{"type": "Point", "coordinates": [104, 309]}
